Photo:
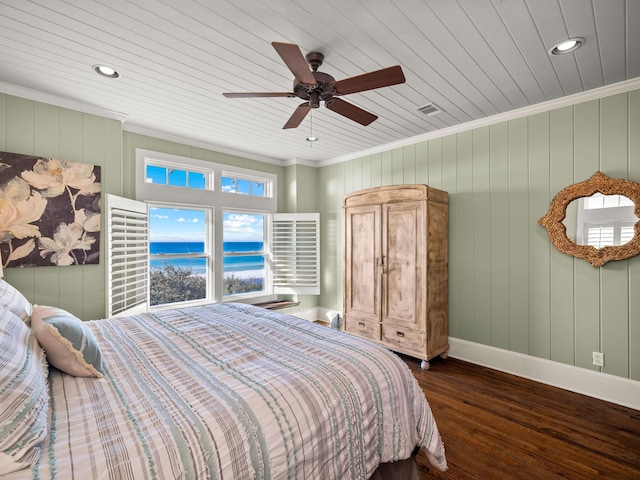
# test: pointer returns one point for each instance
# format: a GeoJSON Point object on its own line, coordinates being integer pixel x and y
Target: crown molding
{"type": "Point", "coordinates": [594, 94]}
{"type": "Point", "coordinates": [58, 101]}
{"type": "Point", "coordinates": [132, 128]}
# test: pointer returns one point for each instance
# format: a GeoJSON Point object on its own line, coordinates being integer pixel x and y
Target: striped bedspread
{"type": "Point", "coordinates": [232, 391]}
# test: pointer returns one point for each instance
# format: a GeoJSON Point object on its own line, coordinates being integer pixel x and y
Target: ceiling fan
{"type": "Point", "coordinates": [314, 86]}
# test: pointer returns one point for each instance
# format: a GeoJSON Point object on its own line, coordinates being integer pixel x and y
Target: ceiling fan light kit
{"type": "Point", "coordinates": [314, 86]}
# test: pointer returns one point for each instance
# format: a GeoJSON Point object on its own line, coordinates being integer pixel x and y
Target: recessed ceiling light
{"type": "Point", "coordinates": [567, 46]}
{"type": "Point", "coordinates": [106, 71]}
{"type": "Point", "coordinates": [311, 139]}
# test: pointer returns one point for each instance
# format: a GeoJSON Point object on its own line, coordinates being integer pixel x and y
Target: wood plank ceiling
{"type": "Point", "coordinates": [471, 58]}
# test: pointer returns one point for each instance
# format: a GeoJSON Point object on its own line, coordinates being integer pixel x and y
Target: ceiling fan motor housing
{"type": "Point", "coordinates": [323, 87]}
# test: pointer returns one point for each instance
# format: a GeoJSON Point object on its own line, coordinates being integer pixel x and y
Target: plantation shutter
{"type": "Point", "coordinates": [627, 232]}
{"type": "Point", "coordinates": [127, 256]}
{"type": "Point", "coordinates": [295, 247]}
{"type": "Point", "coordinates": [600, 235]}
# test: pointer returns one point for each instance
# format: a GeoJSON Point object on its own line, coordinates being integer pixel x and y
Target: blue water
{"type": "Point", "coordinates": [231, 264]}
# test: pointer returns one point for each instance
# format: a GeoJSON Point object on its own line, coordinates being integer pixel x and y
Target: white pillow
{"type": "Point", "coordinates": [24, 397]}
{"type": "Point", "coordinates": [68, 342]}
{"type": "Point", "coordinates": [14, 301]}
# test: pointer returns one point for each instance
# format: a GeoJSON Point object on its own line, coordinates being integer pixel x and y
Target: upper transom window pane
{"type": "Point", "coordinates": [257, 188]}
{"type": "Point", "coordinates": [244, 186]}
{"type": "Point", "coordinates": [156, 174]}
{"type": "Point", "coordinates": [228, 185]}
{"type": "Point", "coordinates": [197, 180]}
{"type": "Point", "coordinates": [176, 177]}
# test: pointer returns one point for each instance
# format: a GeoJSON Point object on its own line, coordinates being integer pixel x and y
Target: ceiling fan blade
{"type": "Point", "coordinates": [369, 81]}
{"type": "Point", "coordinates": [350, 111]}
{"type": "Point", "coordinates": [259, 94]}
{"type": "Point", "coordinates": [293, 58]}
{"type": "Point", "coordinates": [298, 115]}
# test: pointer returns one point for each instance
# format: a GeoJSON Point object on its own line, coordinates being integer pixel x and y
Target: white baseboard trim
{"type": "Point", "coordinates": [618, 390]}
{"type": "Point", "coordinates": [610, 388]}
{"type": "Point", "coordinates": [317, 313]}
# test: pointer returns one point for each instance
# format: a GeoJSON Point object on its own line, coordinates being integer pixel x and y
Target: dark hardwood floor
{"type": "Point", "coordinates": [499, 426]}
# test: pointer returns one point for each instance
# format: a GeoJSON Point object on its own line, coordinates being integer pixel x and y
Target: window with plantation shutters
{"type": "Point", "coordinates": [128, 256]}
{"type": "Point", "coordinates": [296, 253]}
{"type": "Point", "coordinates": [247, 252]}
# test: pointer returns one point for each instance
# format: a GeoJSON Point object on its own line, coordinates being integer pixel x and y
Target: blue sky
{"type": "Point", "coordinates": [184, 225]}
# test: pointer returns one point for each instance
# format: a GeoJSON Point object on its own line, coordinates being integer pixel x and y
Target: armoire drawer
{"type": "Point", "coordinates": [362, 328]}
{"type": "Point", "coordinates": [403, 338]}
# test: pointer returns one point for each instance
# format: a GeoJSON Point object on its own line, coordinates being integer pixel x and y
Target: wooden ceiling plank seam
{"type": "Point", "coordinates": [453, 53]}
{"type": "Point", "coordinates": [612, 43]}
{"type": "Point", "coordinates": [440, 76]}
{"type": "Point", "coordinates": [496, 32]}
{"type": "Point", "coordinates": [550, 23]}
{"type": "Point", "coordinates": [477, 47]}
{"type": "Point", "coordinates": [587, 58]}
{"type": "Point", "coordinates": [521, 24]}
{"type": "Point", "coordinates": [633, 39]}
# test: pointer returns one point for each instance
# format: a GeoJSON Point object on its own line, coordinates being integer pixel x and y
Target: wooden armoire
{"type": "Point", "coordinates": [395, 282]}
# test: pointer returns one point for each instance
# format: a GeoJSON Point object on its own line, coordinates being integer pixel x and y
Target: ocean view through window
{"type": "Point", "coordinates": [209, 229]}
{"type": "Point", "coordinates": [251, 265]}
{"type": "Point", "coordinates": [178, 257]}
{"type": "Point", "coordinates": [243, 252]}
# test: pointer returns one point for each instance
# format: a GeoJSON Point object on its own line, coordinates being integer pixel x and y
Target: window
{"type": "Point", "coordinates": [604, 220]}
{"type": "Point", "coordinates": [178, 254]}
{"type": "Point", "coordinates": [156, 172]}
{"type": "Point", "coordinates": [234, 252]}
{"type": "Point", "coordinates": [244, 253]}
{"type": "Point", "coordinates": [598, 200]}
{"type": "Point", "coordinates": [243, 186]}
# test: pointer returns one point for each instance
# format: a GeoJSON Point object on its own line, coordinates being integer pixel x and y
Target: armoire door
{"type": "Point", "coordinates": [403, 247]}
{"type": "Point", "coordinates": [362, 263]}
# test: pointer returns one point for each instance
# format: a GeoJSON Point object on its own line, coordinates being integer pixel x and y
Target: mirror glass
{"type": "Point", "coordinates": [600, 220]}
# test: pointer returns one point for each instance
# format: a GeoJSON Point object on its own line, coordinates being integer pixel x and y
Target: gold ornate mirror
{"type": "Point", "coordinates": [581, 209]}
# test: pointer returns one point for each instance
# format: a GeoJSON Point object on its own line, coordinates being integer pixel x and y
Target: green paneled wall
{"type": "Point", "coordinates": [34, 128]}
{"type": "Point", "coordinates": [508, 286]}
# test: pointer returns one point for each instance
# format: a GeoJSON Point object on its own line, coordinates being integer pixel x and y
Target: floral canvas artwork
{"type": "Point", "coordinates": [49, 211]}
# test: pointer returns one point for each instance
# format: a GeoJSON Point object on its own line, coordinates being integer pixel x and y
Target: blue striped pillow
{"type": "Point", "coordinates": [68, 342]}
{"type": "Point", "coordinates": [14, 301]}
{"type": "Point", "coordinates": [24, 398]}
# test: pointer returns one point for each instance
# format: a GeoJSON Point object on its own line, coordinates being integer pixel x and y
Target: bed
{"type": "Point", "coordinates": [225, 391]}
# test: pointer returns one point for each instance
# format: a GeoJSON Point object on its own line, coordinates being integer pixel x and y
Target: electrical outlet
{"type": "Point", "coordinates": [598, 359]}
